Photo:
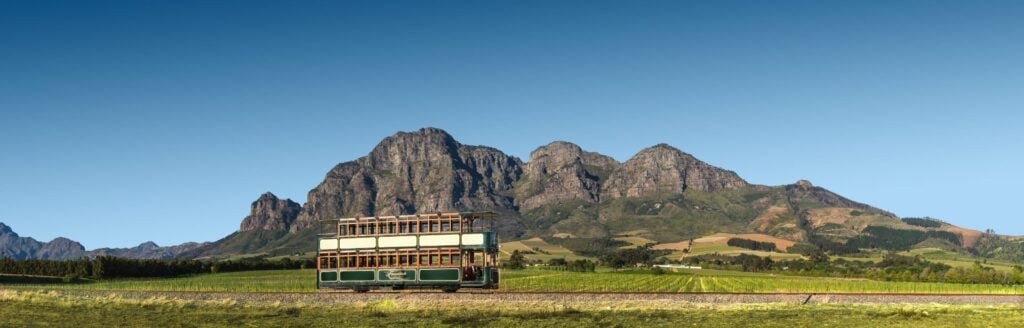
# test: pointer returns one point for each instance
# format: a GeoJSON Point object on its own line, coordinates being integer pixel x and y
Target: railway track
{"type": "Point", "coordinates": [611, 298]}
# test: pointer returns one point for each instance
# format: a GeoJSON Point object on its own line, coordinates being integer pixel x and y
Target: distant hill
{"type": "Point", "coordinates": [14, 246]}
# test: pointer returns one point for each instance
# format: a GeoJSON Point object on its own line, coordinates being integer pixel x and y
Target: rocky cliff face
{"type": "Point", "coordinates": [562, 171]}
{"type": "Point", "coordinates": [663, 168]}
{"type": "Point", "coordinates": [410, 172]}
{"type": "Point", "coordinates": [271, 213]}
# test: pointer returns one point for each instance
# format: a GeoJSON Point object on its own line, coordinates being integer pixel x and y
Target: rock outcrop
{"type": "Point", "coordinates": [562, 171]}
{"type": "Point", "coordinates": [409, 172]}
{"type": "Point", "coordinates": [271, 213]}
{"type": "Point", "coordinates": [662, 169]}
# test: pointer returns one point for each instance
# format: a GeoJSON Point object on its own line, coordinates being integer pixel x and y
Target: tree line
{"type": "Point", "coordinates": [892, 267]}
{"type": "Point", "coordinates": [923, 222]}
{"type": "Point", "coordinates": [898, 239]}
{"type": "Point", "coordinates": [110, 267]}
{"type": "Point", "coordinates": [752, 244]}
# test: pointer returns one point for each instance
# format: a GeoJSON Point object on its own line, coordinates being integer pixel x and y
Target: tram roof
{"type": "Point", "coordinates": [451, 215]}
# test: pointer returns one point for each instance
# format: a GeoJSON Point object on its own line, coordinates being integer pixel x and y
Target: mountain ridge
{"type": "Point", "coordinates": [60, 248]}
{"type": "Point", "coordinates": [562, 190]}
{"type": "Point", "coordinates": [661, 193]}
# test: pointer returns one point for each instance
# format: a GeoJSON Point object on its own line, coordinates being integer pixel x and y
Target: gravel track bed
{"type": "Point", "coordinates": [666, 300]}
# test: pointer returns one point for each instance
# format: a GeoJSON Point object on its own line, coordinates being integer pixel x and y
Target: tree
{"type": "Point", "coordinates": [516, 261]}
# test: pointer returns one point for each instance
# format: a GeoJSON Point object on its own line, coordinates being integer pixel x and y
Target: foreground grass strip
{"type": "Point", "coordinates": [54, 309]}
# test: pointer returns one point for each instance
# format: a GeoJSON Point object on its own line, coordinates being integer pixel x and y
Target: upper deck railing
{"type": "Point", "coordinates": [414, 224]}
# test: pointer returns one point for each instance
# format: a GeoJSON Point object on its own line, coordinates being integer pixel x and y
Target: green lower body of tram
{"type": "Point", "coordinates": [448, 279]}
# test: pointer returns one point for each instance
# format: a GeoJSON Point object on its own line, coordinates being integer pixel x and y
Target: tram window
{"type": "Point", "coordinates": [445, 226]}
{"type": "Point", "coordinates": [424, 260]}
{"type": "Point", "coordinates": [456, 258]}
{"type": "Point", "coordinates": [434, 227]}
{"type": "Point", "coordinates": [456, 226]}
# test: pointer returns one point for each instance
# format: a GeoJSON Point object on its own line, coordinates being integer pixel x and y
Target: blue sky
{"type": "Point", "coordinates": [141, 120]}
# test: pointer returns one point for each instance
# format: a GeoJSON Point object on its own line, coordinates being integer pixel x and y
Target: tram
{"type": "Point", "coordinates": [445, 251]}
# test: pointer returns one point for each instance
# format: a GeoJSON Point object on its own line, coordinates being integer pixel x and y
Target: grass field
{"type": "Point", "coordinates": [726, 282]}
{"type": "Point", "coordinates": [535, 280]}
{"type": "Point", "coordinates": [546, 251]}
{"type": "Point", "coordinates": [51, 309]}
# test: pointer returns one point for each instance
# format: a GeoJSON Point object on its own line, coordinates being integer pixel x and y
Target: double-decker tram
{"type": "Point", "coordinates": [444, 251]}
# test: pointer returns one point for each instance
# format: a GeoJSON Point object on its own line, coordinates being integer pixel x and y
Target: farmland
{"type": "Point", "coordinates": [538, 280]}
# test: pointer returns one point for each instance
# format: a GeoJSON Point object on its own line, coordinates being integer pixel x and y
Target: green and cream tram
{"type": "Point", "coordinates": [444, 251]}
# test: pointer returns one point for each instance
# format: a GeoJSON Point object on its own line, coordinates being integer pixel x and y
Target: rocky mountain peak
{"type": "Point", "coordinates": [271, 213]}
{"type": "Point", "coordinates": [562, 171]}
{"type": "Point", "coordinates": [420, 171]}
{"type": "Point", "coordinates": [663, 168]}
{"type": "Point", "coordinates": [6, 230]}
{"type": "Point", "coordinates": [804, 184]}
{"type": "Point", "coordinates": [60, 248]}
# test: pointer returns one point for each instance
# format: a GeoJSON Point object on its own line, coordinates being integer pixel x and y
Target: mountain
{"type": "Point", "coordinates": [409, 172]}
{"type": "Point", "coordinates": [147, 250]}
{"type": "Point", "coordinates": [562, 171]}
{"type": "Point", "coordinates": [664, 168]}
{"type": "Point", "coordinates": [271, 214]}
{"type": "Point", "coordinates": [14, 246]}
{"type": "Point", "coordinates": [661, 193]}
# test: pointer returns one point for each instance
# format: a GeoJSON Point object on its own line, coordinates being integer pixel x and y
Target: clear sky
{"type": "Point", "coordinates": [142, 120]}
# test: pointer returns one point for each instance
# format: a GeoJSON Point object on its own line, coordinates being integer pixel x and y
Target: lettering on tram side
{"type": "Point", "coordinates": [397, 275]}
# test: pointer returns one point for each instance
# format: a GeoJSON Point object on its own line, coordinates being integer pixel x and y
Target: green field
{"type": "Point", "coordinates": [536, 280]}
{"type": "Point", "coordinates": [250, 281]}
{"type": "Point", "coordinates": [538, 249]}
{"type": "Point", "coordinates": [725, 282]}
{"type": "Point", "coordinates": [51, 309]}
